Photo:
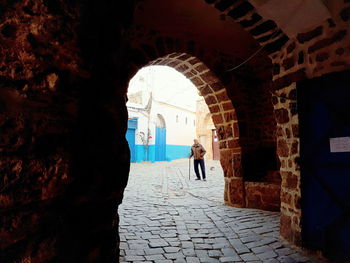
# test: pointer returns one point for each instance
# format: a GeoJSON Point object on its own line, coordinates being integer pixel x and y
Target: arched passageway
{"type": "Point", "coordinates": [64, 73]}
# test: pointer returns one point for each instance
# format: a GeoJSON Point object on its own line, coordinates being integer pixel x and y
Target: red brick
{"type": "Point", "coordinates": [216, 86]}
{"type": "Point", "coordinates": [288, 63]}
{"type": "Point", "coordinates": [281, 116]}
{"type": "Point", "coordinates": [182, 68]}
{"type": "Point", "coordinates": [286, 197]}
{"type": "Point", "coordinates": [285, 227]}
{"type": "Point", "coordinates": [285, 81]}
{"type": "Point", "coordinates": [237, 160]}
{"type": "Point", "coordinates": [235, 130]}
{"type": "Point", "coordinates": [291, 47]}
{"type": "Point", "coordinates": [234, 143]}
{"type": "Point", "coordinates": [194, 61]}
{"type": "Point", "coordinates": [174, 63]}
{"type": "Point", "coordinates": [295, 149]}
{"type": "Point", "coordinates": [282, 148]}
{"type": "Point", "coordinates": [327, 41]}
{"type": "Point", "coordinates": [217, 119]}
{"type": "Point", "coordinates": [280, 132]}
{"type": "Point", "coordinates": [322, 57]}
{"type": "Point", "coordinates": [304, 37]}
{"type": "Point", "coordinates": [209, 77]}
{"type": "Point", "coordinates": [200, 68]}
{"type": "Point", "coordinates": [229, 116]}
{"type": "Point", "coordinates": [210, 100]}
{"type": "Point", "coordinates": [227, 106]}
{"type": "Point", "coordinates": [184, 57]}
{"type": "Point", "coordinates": [289, 180]}
{"type": "Point", "coordinates": [228, 131]}
{"type": "Point", "coordinates": [236, 192]}
{"type": "Point", "coordinates": [214, 109]}
{"type": "Point", "coordinates": [223, 145]}
{"type": "Point", "coordinates": [206, 90]}
{"type": "Point", "coordinates": [197, 81]}
{"type": "Point", "coordinates": [222, 96]}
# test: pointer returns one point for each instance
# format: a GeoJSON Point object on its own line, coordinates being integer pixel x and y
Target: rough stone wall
{"type": "Point", "coordinates": [289, 152]}
{"type": "Point", "coordinates": [263, 195]}
{"type": "Point", "coordinates": [63, 156]}
{"type": "Point", "coordinates": [321, 50]}
{"type": "Point", "coordinates": [265, 31]}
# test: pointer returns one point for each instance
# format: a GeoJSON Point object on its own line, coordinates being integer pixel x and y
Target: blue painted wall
{"type": "Point", "coordinates": [173, 152]}
{"type": "Point", "coordinates": [140, 153]}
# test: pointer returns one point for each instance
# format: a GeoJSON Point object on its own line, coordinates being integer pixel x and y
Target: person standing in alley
{"type": "Point", "coordinates": [198, 151]}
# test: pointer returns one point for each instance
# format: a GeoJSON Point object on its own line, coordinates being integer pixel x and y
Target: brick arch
{"type": "Point", "coordinates": [265, 31]}
{"type": "Point", "coordinates": [223, 114]}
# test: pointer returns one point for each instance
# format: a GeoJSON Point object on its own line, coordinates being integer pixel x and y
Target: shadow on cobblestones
{"type": "Point", "coordinates": [165, 217]}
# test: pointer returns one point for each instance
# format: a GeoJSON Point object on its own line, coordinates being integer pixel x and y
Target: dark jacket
{"type": "Point", "coordinates": [197, 151]}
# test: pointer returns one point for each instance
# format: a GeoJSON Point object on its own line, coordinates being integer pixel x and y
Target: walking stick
{"type": "Point", "coordinates": [189, 168]}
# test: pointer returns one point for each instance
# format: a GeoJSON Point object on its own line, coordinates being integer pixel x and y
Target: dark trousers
{"type": "Point", "coordinates": [201, 163]}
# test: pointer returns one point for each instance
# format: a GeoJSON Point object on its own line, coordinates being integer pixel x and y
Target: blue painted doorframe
{"type": "Point", "coordinates": [160, 144]}
{"type": "Point", "coordinates": [324, 113]}
{"type": "Point", "coordinates": [130, 137]}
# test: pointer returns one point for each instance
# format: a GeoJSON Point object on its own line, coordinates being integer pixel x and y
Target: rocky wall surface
{"type": "Point", "coordinates": [263, 195]}
{"type": "Point", "coordinates": [288, 150]}
{"type": "Point", "coordinates": [63, 157]}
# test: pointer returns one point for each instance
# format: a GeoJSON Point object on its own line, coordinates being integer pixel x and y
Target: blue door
{"type": "Point", "coordinates": [160, 144]}
{"type": "Point", "coordinates": [130, 137]}
{"type": "Point", "coordinates": [324, 113]}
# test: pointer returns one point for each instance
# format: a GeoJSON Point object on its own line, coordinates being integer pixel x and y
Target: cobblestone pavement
{"type": "Point", "coordinates": [165, 218]}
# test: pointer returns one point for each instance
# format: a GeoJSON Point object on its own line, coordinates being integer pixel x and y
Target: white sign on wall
{"type": "Point", "coordinates": [340, 144]}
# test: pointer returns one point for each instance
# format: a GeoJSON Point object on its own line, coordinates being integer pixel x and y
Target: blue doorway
{"type": "Point", "coordinates": [324, 106]}
{"type": "Point", "coordinates": [160, 144]}
{"type": "Point", "coordinates": [130, 137]}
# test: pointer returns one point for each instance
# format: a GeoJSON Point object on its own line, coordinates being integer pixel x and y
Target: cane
{"type": "Point", "coordinates": [189, 168]}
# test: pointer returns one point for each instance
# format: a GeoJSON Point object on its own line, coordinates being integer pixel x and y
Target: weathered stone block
{"type": "Point", "coordinates": [197, 81]}
{"type": "Point", "coordinates": [322, 57]}
{"type": "Point", "coordinates": [209, 77]}
{"type": "Point", "coordinates": [290, 180]}
{"type": "Point", "coordinates": [288, 63]}
{"type": "Point", "coordinates": [305, 37]}
{"type": "Point", "coordinates": [282, 116]}
{"type": "Point", "coordinates": [214, 109]}
{"type": "Point", "coordinates": [210, 99]}
{"type": "Point", "coordinates": [282, 148]}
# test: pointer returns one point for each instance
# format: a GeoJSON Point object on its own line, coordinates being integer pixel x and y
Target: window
{"type": "Point", "coordinates": [177, 118]}
{"type": "Point", "coordinates": [194, 122]}
{"type": "Point", "coordinates": [186, 120]}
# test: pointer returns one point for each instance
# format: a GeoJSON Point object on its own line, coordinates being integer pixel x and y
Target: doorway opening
{"type": "Point", "coordinates": [165, 116]}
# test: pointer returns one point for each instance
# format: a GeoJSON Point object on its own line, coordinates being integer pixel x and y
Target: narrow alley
{"type": "Point", "coordinates": [165, 217]}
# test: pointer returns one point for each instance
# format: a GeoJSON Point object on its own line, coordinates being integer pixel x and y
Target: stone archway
{"type": "Point", "coordinates": [223, 115]}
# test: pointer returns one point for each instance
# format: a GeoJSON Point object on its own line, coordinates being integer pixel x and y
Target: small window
{"type": "Point", "coordinates": [177, 118]}
{"type": "Point", "coordinates": [186, 120]}
{"type": "Point", "coordinates": [194, 122]}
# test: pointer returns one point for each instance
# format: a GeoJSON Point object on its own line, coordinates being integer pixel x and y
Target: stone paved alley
{"type": "Point", "coordinates": [167, 218]}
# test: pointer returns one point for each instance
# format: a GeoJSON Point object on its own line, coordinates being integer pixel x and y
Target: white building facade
{"type": "Point", "coordinates": [158, 131]}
